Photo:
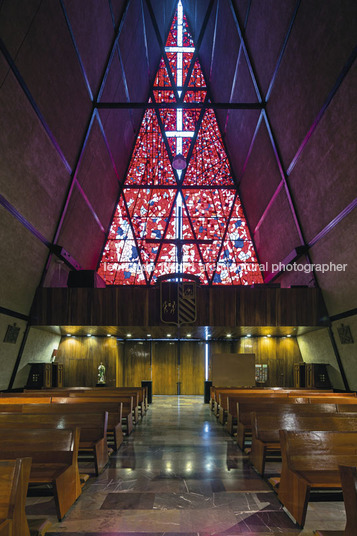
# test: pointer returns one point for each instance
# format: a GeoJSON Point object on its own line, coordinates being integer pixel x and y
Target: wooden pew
{"type": "Point", "coordinates": [6, 528]}
{"type": "Point", "coordinates": [127, 406]}
{"type": "Point", "coordinates": [131, 398]}
{"type": "Point", "coordinates": [346, 400]}
{"type": "Point", "coordinates": [222, 394]}
{"type": "Point", "coordinates": [54, 456]}
{"type": "Point", "coordinates": [348, 476]}
{"type": "Point", "coordinates": [87, 395]}
{"type": "Point", "coordinates": [342, 408]}
{"type": "Point", "coordinates": [232, 405]}
{"type": "Point", "coordinates": [310, 460]}
{"type": "Point", "coordinates": [114, 410]}
{"type": "Point", "coordinates": [24, 400]}
{"type": "Point", "coordinates": [244, 410]}
{"type": "Point", "coordinates": [14, 479]}
{"type": "Point", "coordinates": [265, 429]}
{"type": "Point", "coordinates": [219, 394]}
{"type": "Point", "coordinates": [139, 394]}
{"type": "Point", "coordinates": [93, 430]}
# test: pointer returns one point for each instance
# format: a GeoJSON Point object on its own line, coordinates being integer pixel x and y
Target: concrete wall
{"type": "Point", "coordinates": [315, 347]}
{"type": "Point", "coordinates": [9, 351]}
{"type": "Point", "coordinates": [38, 348]}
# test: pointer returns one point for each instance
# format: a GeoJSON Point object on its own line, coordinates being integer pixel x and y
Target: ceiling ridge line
{"type": "Point", "coordinates": [214, 42]}
{"type": "Point", "coordinates": [345, 70]}
{"type": "Point", "coordinates": [21, 219]}
{"type": "Point", "coordinates": [247, 55]}
{"type": "Point", "coordinates": [234, 81]}
{"type": "Point", "coordinates": [272, 137]}
{"type": "Point", "coordinates": [79, 58]}
{"type": "Point", "coordinates": [110, 57]}
{"type": "Point", "coordinates": [337, 219]}
{"type": "Point", "coordinates": [145, 41]}
{"type": "Point", "coordinates": [162, 47]}
{"type": "Point", "coordinates": [74, 170]}
{"type": "Point", "coordinates": [250, 149]}
{"type": "Point", "coordinates": [282, 51]}
{"type": "Point", "coordinates": [34, 106]}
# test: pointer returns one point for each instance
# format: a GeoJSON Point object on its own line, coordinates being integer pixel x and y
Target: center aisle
{"type": "Point", "coordinates": [178, 473]}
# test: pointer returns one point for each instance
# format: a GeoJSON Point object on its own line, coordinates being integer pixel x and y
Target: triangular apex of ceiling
{"type": "Point", "coordinates": [189, 220]}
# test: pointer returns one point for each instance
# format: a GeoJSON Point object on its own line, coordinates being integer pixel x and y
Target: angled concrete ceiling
{"type": "Point", "coordinates": [63, 160]}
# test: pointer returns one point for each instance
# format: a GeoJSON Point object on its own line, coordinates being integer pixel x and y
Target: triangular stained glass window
{"type": "Point", "coordinates": [186, 221]}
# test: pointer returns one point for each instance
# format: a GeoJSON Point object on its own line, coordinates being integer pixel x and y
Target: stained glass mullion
{"type": "Point", "coordinates": [224, 236]}
{"type": "Point", "coordinates": [164, 234]}
{"type": "Point", "coordinates": [194, 235]}
{"type": "Point", "coordinates": [192, 145]}
{"type": "Point", "coordinates": [134, 236]}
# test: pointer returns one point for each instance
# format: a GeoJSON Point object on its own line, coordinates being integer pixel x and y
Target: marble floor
{"type": "Point", "coordinates": [179, 473]}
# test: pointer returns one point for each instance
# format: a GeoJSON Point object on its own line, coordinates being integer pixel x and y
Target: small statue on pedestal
{"type": "Point", "coordinates": [101, 373]}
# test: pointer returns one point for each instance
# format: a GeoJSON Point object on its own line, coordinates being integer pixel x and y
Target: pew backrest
{"type": "Point", "coordinates": [14, 479]}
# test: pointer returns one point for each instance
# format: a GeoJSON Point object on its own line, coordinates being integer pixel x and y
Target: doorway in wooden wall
{"type": "Point", "coordinates": [177, 367]}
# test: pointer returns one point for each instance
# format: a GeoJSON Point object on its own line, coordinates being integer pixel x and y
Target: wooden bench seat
{"type": "Point", "coordinates": [114, 410]}
{"type": "Point", "coordinates": [348, 476]}
{"type": "Point", "coordinates": [93, 430]}
{"type": "Point", "coordinates": [129, 400]}
{"type": "Point", "coordinates": [138, 394]}
{"type": "Point", "coordinates": [24, 399]}
{"type": "Point", "coordinates": [54, 456]}
{"type": "Point", "coordinates": [265, 430]}
{"type": "Point", "coordinates": [244, 426]}
{"type": "Point", "coordinates": [128, 409]}
{"type": "Point", "coordinates": [282, 396]}
{"type": "Point", "coordinates": [310, 460]}
{"type": "Point", "coordinates": [14, 479]}
{"type": "Point", "coordinates": [127, 406]}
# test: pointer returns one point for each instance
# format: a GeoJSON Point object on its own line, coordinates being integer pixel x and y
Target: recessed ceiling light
{"type": "Point", "coordinates": [128, 334]}
{"type": "Point", "coordinates": [148, 335]}
{"type": "Point", "coordinates": [229, 335]}
{"type": "Point", "coordinates": [188, 334]}
{"type": "Point", "coordinates": [108, 335]}
{"type": "Point", "coordinates": [168, 335]}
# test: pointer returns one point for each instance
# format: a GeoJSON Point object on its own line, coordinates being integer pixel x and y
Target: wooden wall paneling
{"type": "Point", "coordinates": [136, 363]}
{"type": "Point", "coordinates": [119, 380]}
{"type": "Point", "coordinates": [222, 306]}
{"type": "Point", "coordinates": [217, 306]}
{"type": "Point", "coordinates": [192, 368]}
{"type": "Point", "coordinates": [81, 357]}
{"type": "Point", "coordinates": [164, 368]}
